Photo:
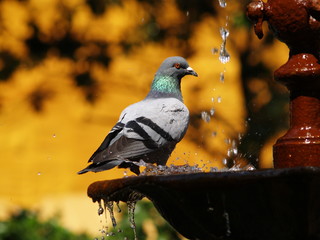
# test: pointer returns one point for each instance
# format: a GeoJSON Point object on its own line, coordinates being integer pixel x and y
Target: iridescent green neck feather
{"type": "Point", "coordinates": [165, 86]}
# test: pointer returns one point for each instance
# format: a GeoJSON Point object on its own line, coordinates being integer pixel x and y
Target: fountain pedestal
{"type": "Point", "coordinates": [296, 23]}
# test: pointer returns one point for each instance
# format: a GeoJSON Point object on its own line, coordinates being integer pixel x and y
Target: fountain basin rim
{"type": "Point", "coordinates": [119, 189]}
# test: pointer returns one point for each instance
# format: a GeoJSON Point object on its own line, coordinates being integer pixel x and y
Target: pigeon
{"type": "Point", "coordinates": [150, 129]}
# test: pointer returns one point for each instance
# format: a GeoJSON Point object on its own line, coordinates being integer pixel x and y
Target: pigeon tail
{"type": "Point", "coordinates": [101, 166]}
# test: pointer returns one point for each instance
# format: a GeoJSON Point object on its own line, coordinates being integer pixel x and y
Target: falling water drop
{"type": "Point", "coordinates": [205, 116]}
{"type": "Point", "coordinates": [131, 208]}
{"type": "Point", "coordinates": [212, 111]}
{"type": "Point", "coordinates": [214, 51]}
{"type": "Point", "coordinates": [100, 209]}
{"type": "Point", "coordinates": [224, 56]}
{"type": "Point", "coordinates": [222, 77]}
{"type": "Point", "coordinates": [39, 173]}
{"type": "Point", "coordinates": [224, 33]}
{"type": "Point", "coordinates": [223, 3]}
{"type": "Point", "coordinates": [219, 99]}
{"type": "Point", "coordinates": [224, 161]}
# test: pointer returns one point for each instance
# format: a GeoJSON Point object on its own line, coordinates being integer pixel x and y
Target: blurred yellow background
{"type": "Point", "coordinates": [75, 68]}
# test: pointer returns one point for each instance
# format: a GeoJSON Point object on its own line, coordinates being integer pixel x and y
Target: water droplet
{"type": "Point", "coordinates": [222, 77]}
{"type": "Point", "coordinates": [235, 151]}
{"type": "Point", "coordinates": [223, 3]}
{"type": "Point", "coordinates": [39, 173]}
{"type": "Point", "coordinates": [224, 56]}
{"type": "Point", "coordinates": [214, 134]}
{"type": "Point", "coordinates": [212, 99]}
{"type": "Point", "coordinates": [212, 111]}
{"type": "Point", "coordinates": [187, 13]}
{"type": "Point", "coordinates": [224, 161]}
{"type": "Point", "coordinates": [100, 209]}
{"type": "Point", "coordinates": [224, 33]}
{"type": "Point", "coordinates": [219, 99]}
{"type": "Point", "coordinates": [205, 116]}
{"type": "Point", "coordinates": [214, 51]}
{"type": "Point", "coordinates": [54, 135]}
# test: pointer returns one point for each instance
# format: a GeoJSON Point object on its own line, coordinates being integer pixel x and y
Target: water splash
{"type": "Point", "coordinates": [224, 56]}
{"type": "Point", "coordinates": [151, 169]}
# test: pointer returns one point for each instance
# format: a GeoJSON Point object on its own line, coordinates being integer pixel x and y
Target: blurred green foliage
{"type": "Point", "coordinates": [26, 225]}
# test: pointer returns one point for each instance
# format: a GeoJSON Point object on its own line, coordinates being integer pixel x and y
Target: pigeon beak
{"type": "Point", "coordinates": [190, 71]}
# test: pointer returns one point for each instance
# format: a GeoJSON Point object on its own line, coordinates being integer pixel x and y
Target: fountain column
{"type": "Point", "coordinates": [297, 24]}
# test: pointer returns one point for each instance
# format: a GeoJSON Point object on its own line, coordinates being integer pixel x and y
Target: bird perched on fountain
{"type": "Point", "coordinates": [150, 129]}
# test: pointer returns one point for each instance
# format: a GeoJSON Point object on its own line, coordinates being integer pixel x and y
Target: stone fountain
{"type": "Point", "coordinates": [280, 203]}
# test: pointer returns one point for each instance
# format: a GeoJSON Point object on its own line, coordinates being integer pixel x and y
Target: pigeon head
{"type": "Point", "coordinates": [176, 67]}
{"type": "Point", "coordinates": [166, 82]}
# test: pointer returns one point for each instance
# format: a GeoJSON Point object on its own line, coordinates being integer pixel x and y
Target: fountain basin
{"type": "Point", "coordinates": [261, 204]}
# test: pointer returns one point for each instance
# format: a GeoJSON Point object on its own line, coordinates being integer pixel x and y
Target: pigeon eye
{"type": "Point", "coordinates": [177, 65]}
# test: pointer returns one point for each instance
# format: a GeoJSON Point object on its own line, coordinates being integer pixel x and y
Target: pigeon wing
{"type": "Point", "coordinates": [106, 142]}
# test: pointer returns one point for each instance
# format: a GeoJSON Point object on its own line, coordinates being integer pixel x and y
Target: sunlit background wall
{"type": "Point", "coordinates": [68, 68]}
